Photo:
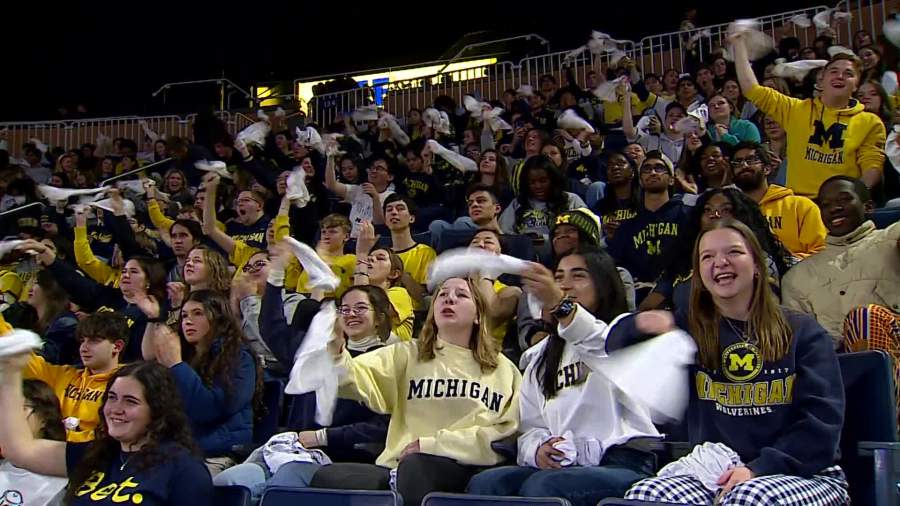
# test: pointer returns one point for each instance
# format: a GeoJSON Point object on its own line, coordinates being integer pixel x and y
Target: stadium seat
{"type": "Point", "coordinates": [869, 448]}
{"type": "Point", "coordinates": [886, 216]}
{"type": "Point", "coordinates": [284, 496]}
{"type": "Point", "coordinates": [267, 426]}
{"type": "Point", "coordinates": [233, 495]}
{"type": "Point", "coordinates": [443, 499]}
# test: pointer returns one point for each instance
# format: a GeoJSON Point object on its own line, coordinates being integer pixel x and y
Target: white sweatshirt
{"type": "Point", "coordinates": [587, 405]}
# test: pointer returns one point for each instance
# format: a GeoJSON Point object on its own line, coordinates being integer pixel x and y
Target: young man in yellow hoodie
{"type": "Point", "coordinates": [828, 135]}
{"type": "Point", "coordinates": [794, 219]}
{"type": "Point", "coordinates": [102, 336]}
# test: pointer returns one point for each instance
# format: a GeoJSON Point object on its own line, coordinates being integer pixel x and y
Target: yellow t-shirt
{"type": "Point", "coordinates": [417, 260]}
{"type": "Point", "coordinates": [402, 326]}
{"type": "Point", "coordinates": [499, 332]}
{"type": "Point", "coordinates": [449, 404]}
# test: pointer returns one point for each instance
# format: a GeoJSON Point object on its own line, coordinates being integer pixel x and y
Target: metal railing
{"type": "Point", "coordinates": [532, 68]}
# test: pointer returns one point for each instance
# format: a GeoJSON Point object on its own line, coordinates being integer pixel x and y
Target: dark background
{"type": "Point", "coordinates": [112, 56]}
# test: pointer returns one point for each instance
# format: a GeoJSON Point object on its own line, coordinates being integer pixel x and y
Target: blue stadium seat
{"type": "Point", "coordinates": [233, 495]}
{"type": "Point", "coordinates": [267, 426]}
{"type": "Point", "coordinates": [284, 496]}
{"type": "Point", "coordinates": [886, 216]}
{"type": "Point", "coordinates": [443, 499]}
{"type": "Point", "coordinates": [870, 453]}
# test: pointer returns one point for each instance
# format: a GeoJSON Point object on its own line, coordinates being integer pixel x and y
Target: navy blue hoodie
{"type": "Point", "coordinates": [352, 422]}
{"type": "Point", "coordinates": [781, 417]}
{"type": "Point", "coordinates": [641, 243]}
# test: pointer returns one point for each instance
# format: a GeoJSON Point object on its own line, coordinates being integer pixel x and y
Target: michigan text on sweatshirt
{"type": "Point", "coordinates": [448, 404]}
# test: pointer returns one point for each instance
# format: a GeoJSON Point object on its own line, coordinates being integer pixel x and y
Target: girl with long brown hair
{"type": "Point", "coordinates": [218, 378]}
{"type": "Point", "coordinates": [766, 384]}
{"type": "Point", "coordinates": [450, 395]}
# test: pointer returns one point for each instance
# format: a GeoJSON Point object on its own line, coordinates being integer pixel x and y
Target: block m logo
{"type": "Point", "coordinates": [834, 135]}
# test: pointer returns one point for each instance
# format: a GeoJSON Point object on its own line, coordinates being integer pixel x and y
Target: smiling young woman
{"type": "Point", "coordinates": [786, 435]}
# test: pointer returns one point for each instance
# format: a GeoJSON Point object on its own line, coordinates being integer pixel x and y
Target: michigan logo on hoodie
{"type": "Point", "coordinates": [823, 142]}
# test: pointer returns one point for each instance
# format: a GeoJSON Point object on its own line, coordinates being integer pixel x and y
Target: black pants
{"type": "Point", "coordinates": [418, 475]}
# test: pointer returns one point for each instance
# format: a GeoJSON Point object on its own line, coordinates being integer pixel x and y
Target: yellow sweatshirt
{"type": "Point", "coordinates": [99, 271]}
{"type": "Point", "coordinates": [448, 404]}
{"type": "Point", "coordinates": [823, 142]}
{"type": "Point", "coordinates": [164, 223]}
{"type": "Point", "coordinates": [795, 220]}
{"type": "Point", "coordinates": [80, 393]}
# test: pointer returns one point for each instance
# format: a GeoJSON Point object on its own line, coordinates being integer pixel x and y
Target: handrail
{"type": "Point", "coordinates": [465, 48]}
{"type": "Point", "coordinates": [15, 210]}
{"type": "Point", "coordinates": [134, 171]}
{"type": "Point", "coordinates": [219, 80]}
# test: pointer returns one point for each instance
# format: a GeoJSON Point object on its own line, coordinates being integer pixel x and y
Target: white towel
{"type": "Point", "coordinates": [310, 137]}
{"type": "Point", "coordinates": [296, 188]}
{"type": "Point", "coordinates": [255, 133]}
{"type": "Point", "coordinates": [801, 21]}
{"type": "Point", "coordinates": [286, 447]}
{"type": "Point", "coordinates": [54, 194]}
{"type": "Point", "coordinates": [759, 44]}
{"type": "Point", "coordinates": [19, 341]}
{"type": "Point", "coordinates": [462, 163]}
{"type": "Point", "coordinates": [891, 30]}
{"type": "Point", "coordinates": [136, 186]}
{"type": "Point", "coordinates": [320, 274]}
{"type": "Point", "coordinates": [437, 120]}
{"type": "Point", "coordinates": [215, 166]}
{"type": "Point", "coordinates": [388, 121]}
{"type": "Point", "coordinates": [106, 205]}
{"type": "Point", "coordinates": [627, 370]}
{"type": "Point", "coordinates": [823, 19]}
{"type": "Point", "coordinates": [607, 91]}
{"type": "Point", "coordinates": [463, 262]}
{"type": "Point", "coordinates": [797, 70]}
{"type": "Point", "coordinates": [365, 113]}
{"type": "Point", "coordinates": [578, 452]}
{"type": "Point", "coordinates": [570, 120]}
{"type": "Point", "coordinates": [314, 368]}
{"type": "Point", "coordinates": [706, 462]}
{"type": "Point", "coordinates": [8, 246]}
{"type": "Point", "coordinates": [836, 50]}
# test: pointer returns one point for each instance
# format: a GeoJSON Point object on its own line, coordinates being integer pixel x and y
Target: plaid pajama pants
{"type": "Point", "coordinates": [828, 488]}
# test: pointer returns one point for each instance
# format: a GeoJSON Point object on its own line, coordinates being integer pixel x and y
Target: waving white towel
{"type": "Point", "coordinates": [706, 462]}
{"type": "Point", "coordinates": [437, 120]}
{"type": "Point", "coordinates": [694, 122]}
{"type": "Point", "coordinates": [801, 21]}
{"type": "Point", "coordinates": [19, 341]}
{"type": "Point", "coordinates": [135, 186]}
{"type": "Point", "coordinates": [824, 19]}
{"type": "Point", "coordinates": [310, 137]}
{"type": "Point", "coordinates": [314, 368]}
{"type": "Point", "coordinates": [255, 133]}
{"type": "Point", "coordinates": [570, 120]}
{"type": "Point", "coordinates": [388, 121]}
{"type": "Point", "coordinates": [320, 274]}
{"type": "Point", "coordinates": [365, 113]}
{"type": "Point", "coordinates": [463, 163]}
{"type": "Point", "coordinates": [483, 111]}
{"type": "Point", "coordinates": [215, 166]}
{"type": "Point", "coordinates": [796, 70]}
{"type": "Point", "coordinates": [106, 205]}
{"type": "Point", "coordinates": [7, 246]}
{"type": "Point", "coordinates": [296, 188]}
{"type": "Point", "coordinates": [54, 194]}
{"type": "Point", "coordinates": [759, 44]}
{"type": "Point", "coordinates": [836, 50]}
{"type": "Point", "coordinates": [627, 370]}
{"type": "Point", "coordinates": [891, 30]}
{"type": "Point", "coordinates": [607, 91]}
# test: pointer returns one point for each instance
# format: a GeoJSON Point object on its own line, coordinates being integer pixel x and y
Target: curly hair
{"type": "Point", "coordinates": [217, 357]}
{"type": "Point", "coordinates": [218, 277]}
{"type": "Point", "coordinates": [168, 425]}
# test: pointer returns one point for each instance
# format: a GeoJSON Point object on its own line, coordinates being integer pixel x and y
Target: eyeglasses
{"type": "Point", "coordinates": [718, 212]}
{"type": "Point", "coordinates": [750, 160]}
{"type": "Point", "coordinates": [357, 310]}
{"type": "Point", "coordinates": [376, 168]}
{"type": "Point", "coordinates": [655, 168]}
{"type": "Point", "coordinates": [255, 266]}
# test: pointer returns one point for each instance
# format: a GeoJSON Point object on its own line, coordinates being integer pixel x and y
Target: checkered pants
{"type": "Point", "coordinates": [828, 488]}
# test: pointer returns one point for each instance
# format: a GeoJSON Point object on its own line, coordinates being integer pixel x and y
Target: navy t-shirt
{"type": "Point", "coordinates": [181, 480]}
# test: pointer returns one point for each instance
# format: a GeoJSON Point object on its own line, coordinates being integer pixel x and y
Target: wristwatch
{"type": "Point", "coordinates": [565, 308]}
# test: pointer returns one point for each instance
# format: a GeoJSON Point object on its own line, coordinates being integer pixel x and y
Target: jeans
{"type": "Point", "coordinates": [437, 227]}
{"type": "Point", "coordinates": [256, 477]}
{"type": "Point", "coordinates": [582, 486]}
{"type": "Point", "coordinates": [595, 193]}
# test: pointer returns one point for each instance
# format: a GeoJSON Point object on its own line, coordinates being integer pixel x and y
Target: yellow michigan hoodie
{"type": "Point", "coordinates": [448, 404]}
{"type": "Point", "coordinates": [823, 142]}
{"type": "Point", "coordinates": [80, 393]}
{"type": "Point", "coordinates": [795, 220]}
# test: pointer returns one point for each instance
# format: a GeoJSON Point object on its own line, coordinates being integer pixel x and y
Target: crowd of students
{"type": "Point", "coordinates": [736, 211]}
